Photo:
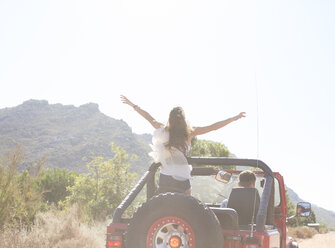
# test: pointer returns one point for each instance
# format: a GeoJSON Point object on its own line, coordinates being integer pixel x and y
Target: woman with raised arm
{"type": "Point", "coordinates": [170, 144]}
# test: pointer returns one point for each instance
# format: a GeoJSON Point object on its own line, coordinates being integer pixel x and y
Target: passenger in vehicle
{"type": "Point", "coordinates": [245, 200]}
{"type": "Point", "coordinates": [247, 179]}
{"type": "Point", "coordinates": [171, 143]}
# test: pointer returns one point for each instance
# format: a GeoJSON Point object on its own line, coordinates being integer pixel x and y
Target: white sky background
{"type": "Point", "coordinates": [213, 58]}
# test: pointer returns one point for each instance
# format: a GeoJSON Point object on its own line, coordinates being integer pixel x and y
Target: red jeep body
{"type": "Point", "coordinates": [271, 237]}
{"type": "Point", "coordinates": [269, 230]}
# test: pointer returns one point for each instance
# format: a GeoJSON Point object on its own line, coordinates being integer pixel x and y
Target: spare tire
{"type": "Point", "coordinates": [174, 220]}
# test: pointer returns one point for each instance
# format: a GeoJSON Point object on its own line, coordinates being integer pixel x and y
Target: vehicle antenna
{"type": "Point", "coordinates": [257, 157]}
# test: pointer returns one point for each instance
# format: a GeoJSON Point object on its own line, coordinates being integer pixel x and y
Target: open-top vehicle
{"type": "Point", "coordinates": [255, 217]}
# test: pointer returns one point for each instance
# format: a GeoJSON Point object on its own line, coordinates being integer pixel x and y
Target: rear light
{"type": "Point", "coordinates": [114, 242]}
{"type": "Point", "coordinates": [251, 242]}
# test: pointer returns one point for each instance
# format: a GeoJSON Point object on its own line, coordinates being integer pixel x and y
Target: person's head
{"type": "Point", "coordinates": [178, 129]}
{"type": "Point", "coordinates": [247, 179]}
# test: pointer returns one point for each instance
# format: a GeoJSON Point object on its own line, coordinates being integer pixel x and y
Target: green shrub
{"type": "Point", "coordinates": [19, 197]}
{"type": "Point", "coordinates": [100, 191]}
{"type": "Point", "coordinates": [54, 182]}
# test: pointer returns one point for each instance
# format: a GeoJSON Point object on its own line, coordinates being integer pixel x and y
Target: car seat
{"type": "Point", "coordinates": [246, 203]}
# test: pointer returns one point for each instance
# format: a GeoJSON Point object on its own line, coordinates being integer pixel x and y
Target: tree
{"type": "Point", "coordinates": [53, 184]}
{"type": "Point", "coordinates": [101, 190]}
{"type": "Point", "coordinates": [19, 197]}
{"type": "Point", "coordinates": [204, 148]}
{"type": "Point", "coordinates": [290, 206]}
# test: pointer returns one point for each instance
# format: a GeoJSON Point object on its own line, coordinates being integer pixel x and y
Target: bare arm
{"type": "Point", "coordinates": [142, 112]}
{"type": "Point", "coordinates": [215, 126]}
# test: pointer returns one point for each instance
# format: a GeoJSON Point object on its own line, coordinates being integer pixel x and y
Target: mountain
{"type": "Point", "coordinates": [65, 134]}
{"type": "Point", "coordinates": [323, 216]}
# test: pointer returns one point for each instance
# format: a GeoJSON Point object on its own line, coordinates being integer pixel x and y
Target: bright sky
{"type": "Point", "coordinates": [215, 58]}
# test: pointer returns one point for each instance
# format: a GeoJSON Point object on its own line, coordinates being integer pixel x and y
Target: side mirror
{"type": "Point", "coordinates": [303, 209]}
{"type": "Point", "coordinates": [223, 176]}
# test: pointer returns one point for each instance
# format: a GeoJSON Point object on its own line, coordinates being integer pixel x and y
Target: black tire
{"type": "Point", "coordinates": [294, 245]}
{"type": "Point", "coordinates": [167, 216]}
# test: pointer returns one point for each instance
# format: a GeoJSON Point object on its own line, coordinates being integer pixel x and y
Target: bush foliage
{"type": "Point", "coordinates": [54, 183]}
{"type": "Point", "coordinates": [97, 193]}
{"type": "Point", "coordinates": [19, 197]}
{"type": "Point", "coordinates": [101, 190]}
{"type": "Point", "coordinates": [204, 148]}
{"type": "Point", "coordinates": [302, 232]}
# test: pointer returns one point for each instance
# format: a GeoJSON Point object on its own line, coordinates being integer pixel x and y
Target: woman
{"type": "Point", "coordinates": [171, 143]}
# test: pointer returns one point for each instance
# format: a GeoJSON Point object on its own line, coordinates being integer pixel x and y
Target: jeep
{"type": "Point", "coordinates": [171, 219]}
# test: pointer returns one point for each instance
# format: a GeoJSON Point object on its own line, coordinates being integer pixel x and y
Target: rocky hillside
{"type": "Point", "coordinates": [65, 134]}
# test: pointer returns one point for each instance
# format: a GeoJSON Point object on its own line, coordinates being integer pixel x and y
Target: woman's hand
{"type": "Point", "coordinates": [142, 112]}
{"type": "Point", "coordinates": [125, 100]}
{"type": "Point", "coordinates": [239, 116]}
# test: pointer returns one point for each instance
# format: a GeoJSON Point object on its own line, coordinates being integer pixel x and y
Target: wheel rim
{"type": "Point", "coordinates": [168, 229]}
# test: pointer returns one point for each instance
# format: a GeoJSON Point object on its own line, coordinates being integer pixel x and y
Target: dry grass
{"type": "Point", "coordinates": [57, 230]}
{"type": "Point", "coordinates": [302, 232]}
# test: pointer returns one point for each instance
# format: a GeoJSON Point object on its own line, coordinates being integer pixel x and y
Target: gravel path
{"type": "Point", "coordinates": [319, 241]}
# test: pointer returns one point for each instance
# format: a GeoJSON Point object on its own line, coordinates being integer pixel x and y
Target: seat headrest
{"type": "Point", "coordinates": [246, 203]}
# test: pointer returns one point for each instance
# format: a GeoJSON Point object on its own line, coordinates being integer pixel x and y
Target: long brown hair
{"type": "Point", "coordinates": [179, 130]}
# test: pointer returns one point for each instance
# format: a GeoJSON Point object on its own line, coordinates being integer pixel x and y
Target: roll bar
{"type": "Point", "coordinates": [148, 178]}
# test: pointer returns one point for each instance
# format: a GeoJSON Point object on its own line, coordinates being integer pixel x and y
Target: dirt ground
{"type": "Point", "coordinates": [319, 241]}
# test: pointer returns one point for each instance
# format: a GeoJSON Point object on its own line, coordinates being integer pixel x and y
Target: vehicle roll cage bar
{"type": "Point", "coordinates": [149, 179]}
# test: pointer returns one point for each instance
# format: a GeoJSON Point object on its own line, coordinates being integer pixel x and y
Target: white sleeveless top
{"type": "Point", "coordinates": [174, 162]}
